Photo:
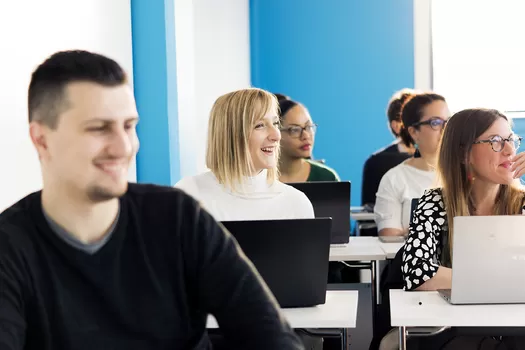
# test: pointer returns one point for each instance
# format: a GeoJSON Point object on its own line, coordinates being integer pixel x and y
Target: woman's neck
{"type": "Point", "coordinates": [292, 169]}
{"type": "Point", "coordinates": [290, 166]}
{"type": "Point", "coordinates": [404, 149]}
{"type": "Point", "coordinates": [484, 196]}
{"type": "Point", "coordinates": [427, 161]}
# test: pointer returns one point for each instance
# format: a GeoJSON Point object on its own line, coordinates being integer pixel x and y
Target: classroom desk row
{"type": "Point", "coordinates": [364, 248]}
{"type": "Point", "coordinates": [338, 312]}
{"type": "Point", "coordinates": [414, 313]}
{"type": "Point", "coordinates": [369, 251]}
{"type": "Point", "coordinates": [340, 309]}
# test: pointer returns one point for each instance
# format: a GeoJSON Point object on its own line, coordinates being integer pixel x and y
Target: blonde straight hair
{"type": "Point", "coordinates": [461, 132]}
{"type": "Point", "coordinates": [232, 120]}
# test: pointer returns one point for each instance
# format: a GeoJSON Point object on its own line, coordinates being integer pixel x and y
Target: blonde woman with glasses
{"type": "Point", "coordinates": [242, 155]}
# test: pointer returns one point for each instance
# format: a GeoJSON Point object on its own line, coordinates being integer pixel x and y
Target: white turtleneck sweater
{"type": "Point", "coordinates": [255, 200]}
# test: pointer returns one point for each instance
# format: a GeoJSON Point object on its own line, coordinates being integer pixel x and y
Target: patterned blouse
{"type": "Point", "coordinates": [423, 249]}
{"type": "Point", "coordinates": [428, 235]}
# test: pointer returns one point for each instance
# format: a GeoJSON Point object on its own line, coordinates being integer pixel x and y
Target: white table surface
{"type": "Point", "coordinates": [339, 311]}
{"type": "Point", "coordinates": [390, 249]}
{"type": "Point", "coordinates": [359, 248]}
{"type": "Point", "coordinates": [434, 311]}
{"type": "Point", "coordinates": [362, 216]}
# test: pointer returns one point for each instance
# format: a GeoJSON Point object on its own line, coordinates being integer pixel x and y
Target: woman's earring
{"type": "Point", "coordinates": [417, 154]}
{"type": "Point", "coordinates": [470, 176]}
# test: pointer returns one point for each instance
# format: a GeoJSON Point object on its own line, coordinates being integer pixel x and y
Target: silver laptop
{"type": "Point", "coordinates": [488, 260]}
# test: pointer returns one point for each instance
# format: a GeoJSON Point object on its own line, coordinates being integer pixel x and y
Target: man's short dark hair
{"type": "Point", "coordinates": [46, 95]}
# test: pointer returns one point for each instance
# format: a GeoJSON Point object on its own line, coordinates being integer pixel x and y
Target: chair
{"type": "Point", "coordinates": [413, 206]}
{"type": "Point", "coordinates": [375, 167]}
{"type": "Point", "coordinates": [391, 278]}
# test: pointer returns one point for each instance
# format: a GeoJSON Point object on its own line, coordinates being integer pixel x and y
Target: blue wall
{"type": "Point", "coordinates": [343, 59]}
{"type": "Point", "coordinates": [155, 82]}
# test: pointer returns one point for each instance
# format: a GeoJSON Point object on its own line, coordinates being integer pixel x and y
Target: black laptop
{"type": "Point", "coordinates": [290, 255]}
{"type": "Point", "coordinates": [330, 199]}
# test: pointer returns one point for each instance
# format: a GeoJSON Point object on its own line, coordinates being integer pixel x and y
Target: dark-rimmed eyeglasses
{"type": "Point", "coordinates": [297, 131]}
{"type": "Point", "coordinates": [436, 123]}
{"type": "Point", "coordinates": [498, 142]}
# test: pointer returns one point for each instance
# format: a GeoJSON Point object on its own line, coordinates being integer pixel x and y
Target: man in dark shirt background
{"type": "Point", "coordinates": [387, 157]}
{"type": "Point", "coordinates": [92, 262]}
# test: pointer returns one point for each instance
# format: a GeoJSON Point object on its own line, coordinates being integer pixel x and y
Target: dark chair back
{"type": "Point", "coordinates": [413, 207]}
{"type": "Point", "coordinates": [391, 278]}
{"type": "Point", "coordinates": [375, 167]}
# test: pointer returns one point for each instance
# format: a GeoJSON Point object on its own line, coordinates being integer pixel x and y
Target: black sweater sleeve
{"type": "Point", "coordinates": [12, 321]}
{"type": "Point", "coordinates": [232, 291]}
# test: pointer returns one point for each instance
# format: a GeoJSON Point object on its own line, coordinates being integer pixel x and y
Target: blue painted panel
{"type": "Point", "coordinates": [155, 83]}
{"type": "Point", "coordinates": [343, 59]}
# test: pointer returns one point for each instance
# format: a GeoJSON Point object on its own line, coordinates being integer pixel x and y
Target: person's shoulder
{"type": "Point", "coordinates": [323, 170]}
{"type": "Point", "coordinates": [155, 197]}
{"type": "Point", "coordinates": [397, 172]}
{"type": "Point", "coordinates": [297, 199]}
{"type": "Point", "coordinates": [21, 210]}
{"type": "Point", "coordinates": [431, 205]}
{"type": "Point", "coordinates": [391, 148]}
{"type": "Point", "coordinates": [320, 166]}
{"type": "Point", "coordinates": [172, 210]}
{"type": "Point", "coordinates": [291, 193]}
{"type": "Point", "coordinates": [195, 184]}
{"type": "Point", "coordinates": [432, 196]}
{"type": "Point", "coordinates": [436, 193]}
{"type": "Point", "coordinates": [17, 223]}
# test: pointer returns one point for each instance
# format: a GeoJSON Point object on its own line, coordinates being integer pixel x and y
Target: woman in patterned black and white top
{"type": "Point", "coordinates": [479, 172]}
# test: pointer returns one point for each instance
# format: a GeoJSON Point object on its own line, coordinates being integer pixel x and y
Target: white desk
{"type": "Point", "coordinates": [339, 311]}
{"type": "Point", "coordinates": [362, 216]}
{"type": "Point", "coordinates": [434, 311]}
{"type": "Point", "coordinates": [359, 248]}
{"type": "Point", "coordinates": [390, 249]}
{"type": "Point", "coordinates": [362, 249]}
{"type": "Point", "coordinates": [407, 312]}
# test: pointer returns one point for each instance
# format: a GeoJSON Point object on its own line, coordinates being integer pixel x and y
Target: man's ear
{"type": "Point", "coordinates": [38, 133]}
{"type": "Point", "coordinates": [396, 126]}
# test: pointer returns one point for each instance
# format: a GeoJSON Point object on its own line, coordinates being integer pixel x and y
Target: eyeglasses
{"type": "Point", "coordinates": [436, 123]}
{"type": "Point", "coordinates": [498, 142]}
{"type": "Point", "coordinates": [297, 131]}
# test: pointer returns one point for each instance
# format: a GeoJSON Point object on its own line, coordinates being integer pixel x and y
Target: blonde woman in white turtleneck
{"type": "Point", "coordinates": [242, 155]}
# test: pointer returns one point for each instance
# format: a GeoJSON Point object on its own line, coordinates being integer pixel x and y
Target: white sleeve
{"type": "Point", "coordinates": [388, 209]}
{"type": "Point", "coordinates": [304, 208]}
{"type": "Point", "coordinates": [189, 185]}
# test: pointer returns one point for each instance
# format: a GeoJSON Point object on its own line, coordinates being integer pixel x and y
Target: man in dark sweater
{"type": "Point", "coordinates": [92, 262]}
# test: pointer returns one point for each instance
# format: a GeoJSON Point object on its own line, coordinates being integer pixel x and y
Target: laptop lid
{"type": "Point", "coordinates": [330, 199]}
{"type": "Point", "coordinates": [488, 260]}
{"type": "Point", "coordinates": [290, 255]}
